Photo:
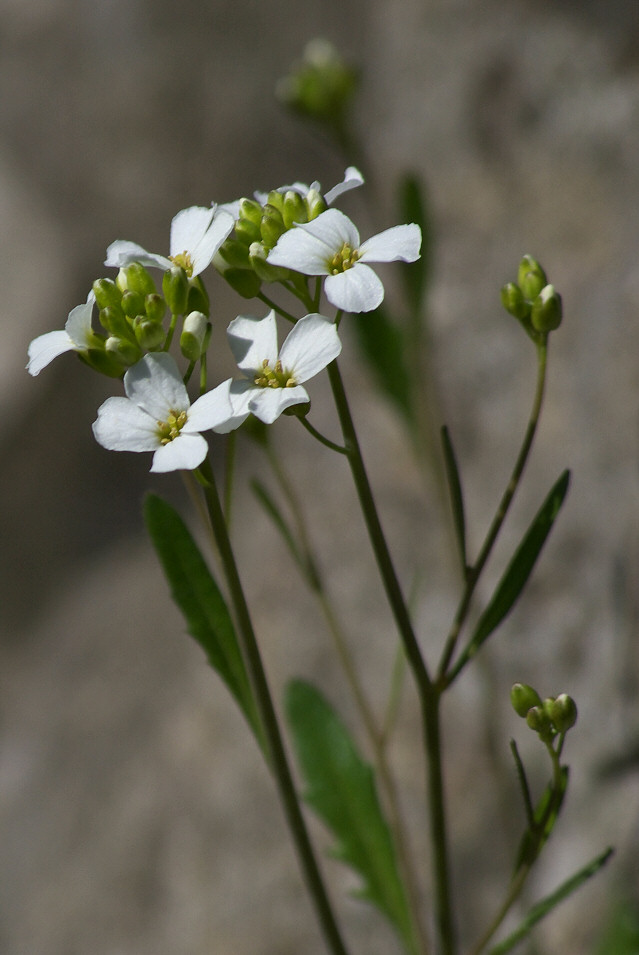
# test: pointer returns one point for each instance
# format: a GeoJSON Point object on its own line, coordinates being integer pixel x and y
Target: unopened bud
{"type": "Point", "coordinates": [245, 282]}
{"type": "Point", "coordinates": [234, 254]}
{"type": "Point", "coordinates": [272, 226]}
{"type": "Point", "coordinates": [523, 697]}
{"type": "Point", "coordinates": [562, 712]}
{"type": "Point", "coordinates": [132, 303]}
{"type": "Point", "coordinates": [531, 278]}
{"type": "Point", "coordinates": [198, 299]}
{"type": "Point", "coordinates": [252, 210]}
{"type": "Point", "coordinates": [106, 293]}
{"type": "Point", "coordinates": [539, 721]}
{"type": "Point", "coordinates": [155, 307]}
{"type": "Point", "coordinates": [546, 313]}
{"type": "Point", "coordinates": [247, 231]}
{"type": "Point", "coordinates": [137, 279]}
{"type": "Point", "coordinates": [175, 287]}
{"type": "Point", "coordinates": [266, 272]}
{"type": "Point", "coordinates": [295, 209]}
{"type": "Point", "coordinates": [513, 301]}
{"type": "Point", "coordinates": [150, 335]}
{"type": "Point", "coordinates": [193, 335]}
{"type": "Point", "coordinates": [123, 351]}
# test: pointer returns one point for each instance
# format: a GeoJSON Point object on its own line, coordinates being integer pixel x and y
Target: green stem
{"type": "Point", "coordinates": [279, 762]}
{"type": "Point", "coordinates": [320, 437]}
{"type": "Point", "coordinates": [444, 676]}
{"type": "Point", "coordinates": [276, 308]}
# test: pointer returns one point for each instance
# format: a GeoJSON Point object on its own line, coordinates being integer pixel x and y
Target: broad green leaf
{"type": "Point", "coordinates": [520, 567]}
{"type": "Point", "coordinates": [456, 496]}
{"type": "Point", "coordinates": [539, 911]}
{"type": "Point", "coordinates": [413, 208]}
{"type": "Point", "coordinates": [199, 598]}
{"type": "Point", "coordinates": [383, 345]}
{"type": "Point", "coordinates": [340, 787]}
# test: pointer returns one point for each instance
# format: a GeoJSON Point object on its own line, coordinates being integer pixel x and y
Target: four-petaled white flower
{"type": "Point", "coordinates": [274, 380]}
{"type": "Point", "coordinates": [330, 245]}
{"type": "Point", "coordinates": [77, 335]}
{"type": "Point", "coordinates": [196, 235]}
{"type": "Point", "coordinates": [158, 416]}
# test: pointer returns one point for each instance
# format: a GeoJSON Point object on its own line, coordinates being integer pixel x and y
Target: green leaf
{"type": "Point", "coordinates": [520, 567]}
{"type": "Point", "coordinates": [383, 345]}
{"type": "Point", "coordinates": [456, 496]}
{"type": "Point", "coordinates": [199, 598]}
{"type": "Point", "coordinates": [539, 911]}
{"type": "Point", "coordinates": [413, 208]}
{"type": "Point", "coordinates": [340, 787]}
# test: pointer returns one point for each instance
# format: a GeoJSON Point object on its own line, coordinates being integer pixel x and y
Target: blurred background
{"type": "Point", "coordinates": [137, 817]}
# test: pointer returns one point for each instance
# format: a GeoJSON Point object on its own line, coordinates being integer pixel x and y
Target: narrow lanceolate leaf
{"type": "Point", "coordinates": [520, 567]}
{"type": "Point", "coordinates": [539, 911]}
{"type": "Point", "coordinates": [413, 207]}
{"type": "Point", "coordinates": [456, 496]}
{"type": "Point", "coordinates": [340, 787]}
{"type": "Point", "coordinates": [383, 345]}
{"type": "Point", "coordinates": [199, 598]}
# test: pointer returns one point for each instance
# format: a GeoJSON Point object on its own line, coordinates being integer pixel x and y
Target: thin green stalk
{"type": "Point", "coordinates": [279, 762]}
{"type": "Point", "coordinates": [445, 676]}
{"type": "Point", "coordinates": [377, 737]}
{"type": "Point", "coordinates": [428, 693]}
{"type": "Point", "coordinates": [321, 438]}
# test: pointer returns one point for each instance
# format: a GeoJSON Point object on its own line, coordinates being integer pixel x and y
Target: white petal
{"type": "Point", "coordinates": [122, 253]}
{"type": "Point", "coordinates": [253, 340]}
{"type": "Point", "coordinates": [310, 346]}
{"type": "Point", "coordinates": [188, 228]}
{"type": "Point", "coordinates": [212, 239]}
{"type": "Point", "coordinates": [45, 348]}
{"type": "Point", "coordinates": [122, 426]}
{"type": "Point", "coordinates": [155, 384]}
{"type": "Point", "coordinates": [352, 179]}
{"type": "Point", "coordinates": [356, 290]}
{"type": "Point", "coordinates": [401, 242]}
{"type": "Point", "coordinates": [78, 325]}
{"type": "Point", "coordinates": [211, 410]}
{"type": "Point", "coordinates": [267, 404]}
{"type": "Point", "coordinates": [309, 246]}
{"type": "Point", "coordinates": [184, 453]}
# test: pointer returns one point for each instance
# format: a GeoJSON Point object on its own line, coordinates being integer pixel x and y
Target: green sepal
{"type": "Point", "coordinates": [521, 565]}
{"type": "Point", "coordinates": [550, 902]}
{"type": "Point", "coordinates": [199, 598]}
{"type": "Point", "coordinates": [340, 788]}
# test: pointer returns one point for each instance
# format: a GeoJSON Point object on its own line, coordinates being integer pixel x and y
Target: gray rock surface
{"type": "Point", "coordinates": [137, 818]}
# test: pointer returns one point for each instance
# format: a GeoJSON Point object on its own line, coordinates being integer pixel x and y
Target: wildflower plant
{"type": "Point", "coordinates": [303, 261]}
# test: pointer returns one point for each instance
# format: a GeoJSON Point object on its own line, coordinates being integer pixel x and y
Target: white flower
{"type": "Point", "coordinates": [157, 415]}
{"type": "Point", "coordinates": [330, 245]}
{"type": "Point", "coordinates": [274, 381]}
{"type": "Point", "coordinates": [196, 235]}
{"type": "Point", "coordinates": [77, 335]}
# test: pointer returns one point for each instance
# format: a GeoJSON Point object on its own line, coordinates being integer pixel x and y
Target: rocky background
{"type": "Point", "coordinates": [137, 817]}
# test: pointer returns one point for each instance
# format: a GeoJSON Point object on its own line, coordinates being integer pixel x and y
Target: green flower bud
{"type": "Point", "coordinates": [547, 311]}
{"type": "Point", "coordinates": [315, 204]}
{"type": "Point", "coordinates": [132, 303]}
{"type": "Point", "coordinates": [198, 299]}
{"type": "Point", "coordinates": [193, 335]}
{"type": "Point", "coordinates": [149, 335]}
{"type": "Point", "coordinates": [246, 283]}
{"type": "Point", "coordinates": [539, 721]}
{"type": "Point", "coordinates": [523, 697]}
{"type": "Point", "coordinates": [265, 271]}
{"type": "Point", "coordinates": [114, 321]}
{"type": "Point", "coordinates": [513, 301]}
{"type": "Point", "coordinates": [252, 210]}
{"type": "Point", "coordinates": [247, 231]}
{"type": "Point", "coordinates": [175, 288]}
{"type": "Point", "coordinates": [155, 307]}
{"type": "Point", "coordinates": [562, 712]}
{"type": "Point", "coordinates": [106, 293]}
{"type": "Point", "coordinates": [295, 209]}
{"type": "Point", "coordinates": [235, 254]}
{"type": "Point", "coordinates": [272, 226]}
{"type": "Point", "coordinates": [100, 360]}
{"type": "Point", "coordinates": [531, 278]}
{"type": "Point", "coordinates": [125, 352]}
{"type": "Point", "coordinates": [137, 279]}
{"type": "Point", "coordinates": [275, 198]}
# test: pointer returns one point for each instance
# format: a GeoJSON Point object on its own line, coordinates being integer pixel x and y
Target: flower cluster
{"type": "Point", "coordinates": [289, 236]}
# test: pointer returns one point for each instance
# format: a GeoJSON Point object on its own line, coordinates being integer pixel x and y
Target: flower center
{"type": "Point", "coordinates": [343, 260]}
{"type": "Point", "coordinates": [169, 430]}
{"type": "Point", "coordinates": [276, 377]}
{"type": "Point", "coordinates": [184, 260]}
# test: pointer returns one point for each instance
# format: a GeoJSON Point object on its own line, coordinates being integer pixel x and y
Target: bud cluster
{"type": "Point", "coordinates": [257, 230]}
{"type": "Point", "coordinates": [532, 300]}
{"type": "Point", "coordinates": [321, 85]}
{"type": "Point", "coordinates": [548, 718]}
